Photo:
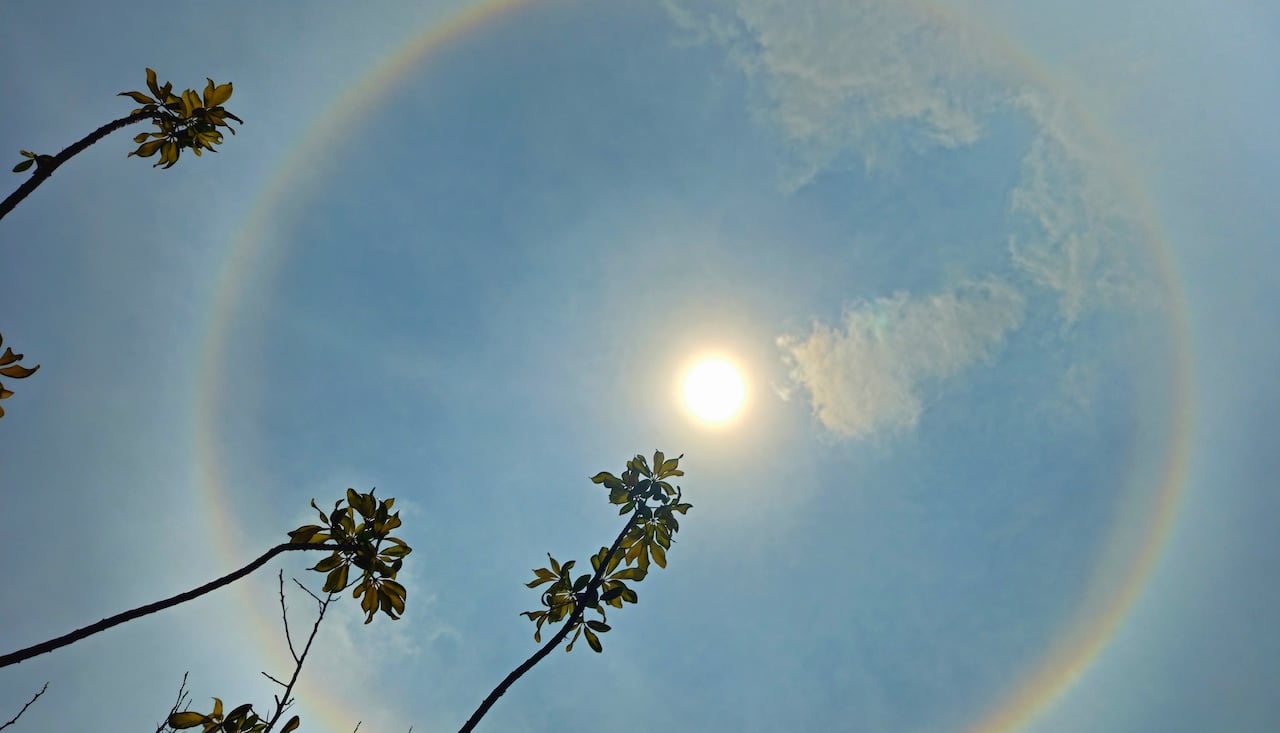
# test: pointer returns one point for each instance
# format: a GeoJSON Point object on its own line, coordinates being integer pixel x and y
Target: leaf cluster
{"type": "Point", "coordinates": [653, 502]}
{"type": "Point", "coordinates": [186, 120]}
{"type": "Point", "coordinates": [10, 368]}
{"type": "Point", "coordinates": [361, 527]}
{"type": "Point", "coordinates": [240, 720]}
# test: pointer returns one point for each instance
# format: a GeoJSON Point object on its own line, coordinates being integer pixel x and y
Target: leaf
{"type": "Point", "coordinates": [593, 640]}
{"type": "Point", "coordinates": [9, 357]}
{"type": "Point", "coordinates": [240, 711]}
{"type": "Point", "coordinates": [5, 393]}
{"type": "Point", "coordinates": [17, 371]}
{"type": "Point", "coordinates": [659, 458]}
{"type": "Point", "coordinates": [581, 582]}
{"type": "Point", "coordinates": [20, 167]}
{"type": "Point", "coordinates": [337, 579]}
{"type": "Point", "coordinates": [221, 93]}
{"type": "Point", "coordinates": [329, 563]}
{"type": "Point", "coordinates": [599, 626]}
{"type": "Point", "coordinates": [217, 708]}
{"type": "Point", "coordinates": [292, 725]}
{"type": "Point", "coordinates": [394, 589]}
{"type": "Point", "coordinates": [303, 535]}
{"type": "Point", "coordinates": [636, 573]}
{"type": "Point", "coordinates": [168, 154]}
{"type": "Point", "coordinates": [190, 102]}
{"type": "Point", "coordinates": [151, 84]}
{"type": "Point", "coordinates": [659, 554]}
{"type": "Point", "coordinates": [186, 719]}
{"type": "Point", "coordinates": [613, 593]}
{"type": "Point", "coordinates": [138, 97]}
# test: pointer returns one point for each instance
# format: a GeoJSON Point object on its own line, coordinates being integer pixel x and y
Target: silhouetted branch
{"type": "Point", "coordinates": [285, 701]}
{"type": "Point", "coordinates": [284, 614]}
{"type": "Point", "coordinates": [182, 702]}
{"type": "Point", "coordinates": [35, 697]}
{"type": "Point", "coordinates": [116, 620]}
{"type": "Point", "coordinates": [569, 624]}
{"type": "Point", "coordinates": [46, 166]}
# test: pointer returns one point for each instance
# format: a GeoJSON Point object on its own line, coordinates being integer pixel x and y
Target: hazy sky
{"type": "Point", "coordinates": [1000, 277]}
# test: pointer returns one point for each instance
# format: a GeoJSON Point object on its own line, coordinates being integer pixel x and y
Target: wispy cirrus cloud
{"type": "Point", "coordinates": [836, 77]}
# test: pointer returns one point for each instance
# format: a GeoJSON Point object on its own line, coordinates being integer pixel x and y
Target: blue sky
{"type": "Point", "coordinates": [981, 266]}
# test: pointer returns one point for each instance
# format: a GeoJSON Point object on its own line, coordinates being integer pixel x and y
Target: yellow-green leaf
{"type": "Point", "coordinates": [5, 393]}
{"type": "Point", "coordinates": [190, 102]}
{"type": "Point", "coordinates": [329, 563]}
{"type": "Point", "coordinates": [217, 708]}
{"type": "Point", "coordinates": [659, 555]}
{"type": "Point", "coordinates": [220, 94]}
{"type": "Point", "coordinates": [292, 725]}
{"type": "Point", "coordinates": [20, 167]}
{"type": "Point", "coordinates": [17, 371]}
{"type": "Point", "coordinates": [152, 85]}
{"type": "Point", "coordinates": [593, 640]}
{"type": "Point", "coordinates": [9, 357]}
{"type": "Point", "coordinates": [138, 97]}
{"type": "Point", "coordinates": [186, 719]}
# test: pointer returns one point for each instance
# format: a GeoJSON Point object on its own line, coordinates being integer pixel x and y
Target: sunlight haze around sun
{"type": "Point", "coordinates": [713, 390]}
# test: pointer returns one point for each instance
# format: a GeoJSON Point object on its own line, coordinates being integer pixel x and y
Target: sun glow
{"type": "Point", "coordinates": [713, 390]}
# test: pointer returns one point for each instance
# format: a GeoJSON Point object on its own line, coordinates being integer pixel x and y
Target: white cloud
{"type": "Point", "coordinates": [1076, 233]}
{"type": "Point", "coordinates": [843, 80]}
{"type": "Point", "coordinates": [868, 375]}
{"type": "Point", "coordinates": [834, 76]}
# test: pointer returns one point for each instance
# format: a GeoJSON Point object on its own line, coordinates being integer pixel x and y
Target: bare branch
{"type": "Point", "coordinates": [273, 679]}
{"type": "Point", "coordinates": [284, 614]}
{"type": "Point", "coordinates": [307, 590]}
{"type": "Point", "coordinates": [285, 701]}
{"type": "Point", "coordinates": [139, 612]}
{"type": "Point", "coordinates": [183, 701]}
{"type": "Point", "coordinates": [34, 697]}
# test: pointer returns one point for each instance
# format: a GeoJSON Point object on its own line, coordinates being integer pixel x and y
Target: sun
{"type": "Point", "coordinates": [713, 390]}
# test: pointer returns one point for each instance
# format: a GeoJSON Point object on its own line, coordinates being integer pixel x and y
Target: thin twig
{"type": "Point", "coordinates": [273, 679]}
{"type": "Point", "coordinates": [574, 618]}
{"type": "Point", "coordinates": [284, 614]}
{"type": "Point", "coordinates": [139, 612]}
{"type": "Point", "coordinates": [34, 697]}
{"type": "Point", "coordinates": [283, 702]}
{"type": "Point", "coordinates": [307, 590]}
{"type": "Point", "coordinates": [183, 699]}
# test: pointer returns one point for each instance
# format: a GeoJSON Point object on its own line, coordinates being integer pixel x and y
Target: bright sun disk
{"type": "Point", "coordinates": [714, 390]}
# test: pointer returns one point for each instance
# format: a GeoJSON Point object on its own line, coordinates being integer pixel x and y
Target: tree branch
{"type": "Point", "coordinates": [42, 172]}
{"type": "Point", "coordinates": [106, 623]}
{"type": "Point", "coordinates": [284, 614]}
{"type": "Point", "coordinates": [182, 700]}
{"type": "Point", "coordinates": [283, 701]}
{"type": "Point", "coordinates": [569, 624]}
{"type": "Point", "coordinates": [35, 697]}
